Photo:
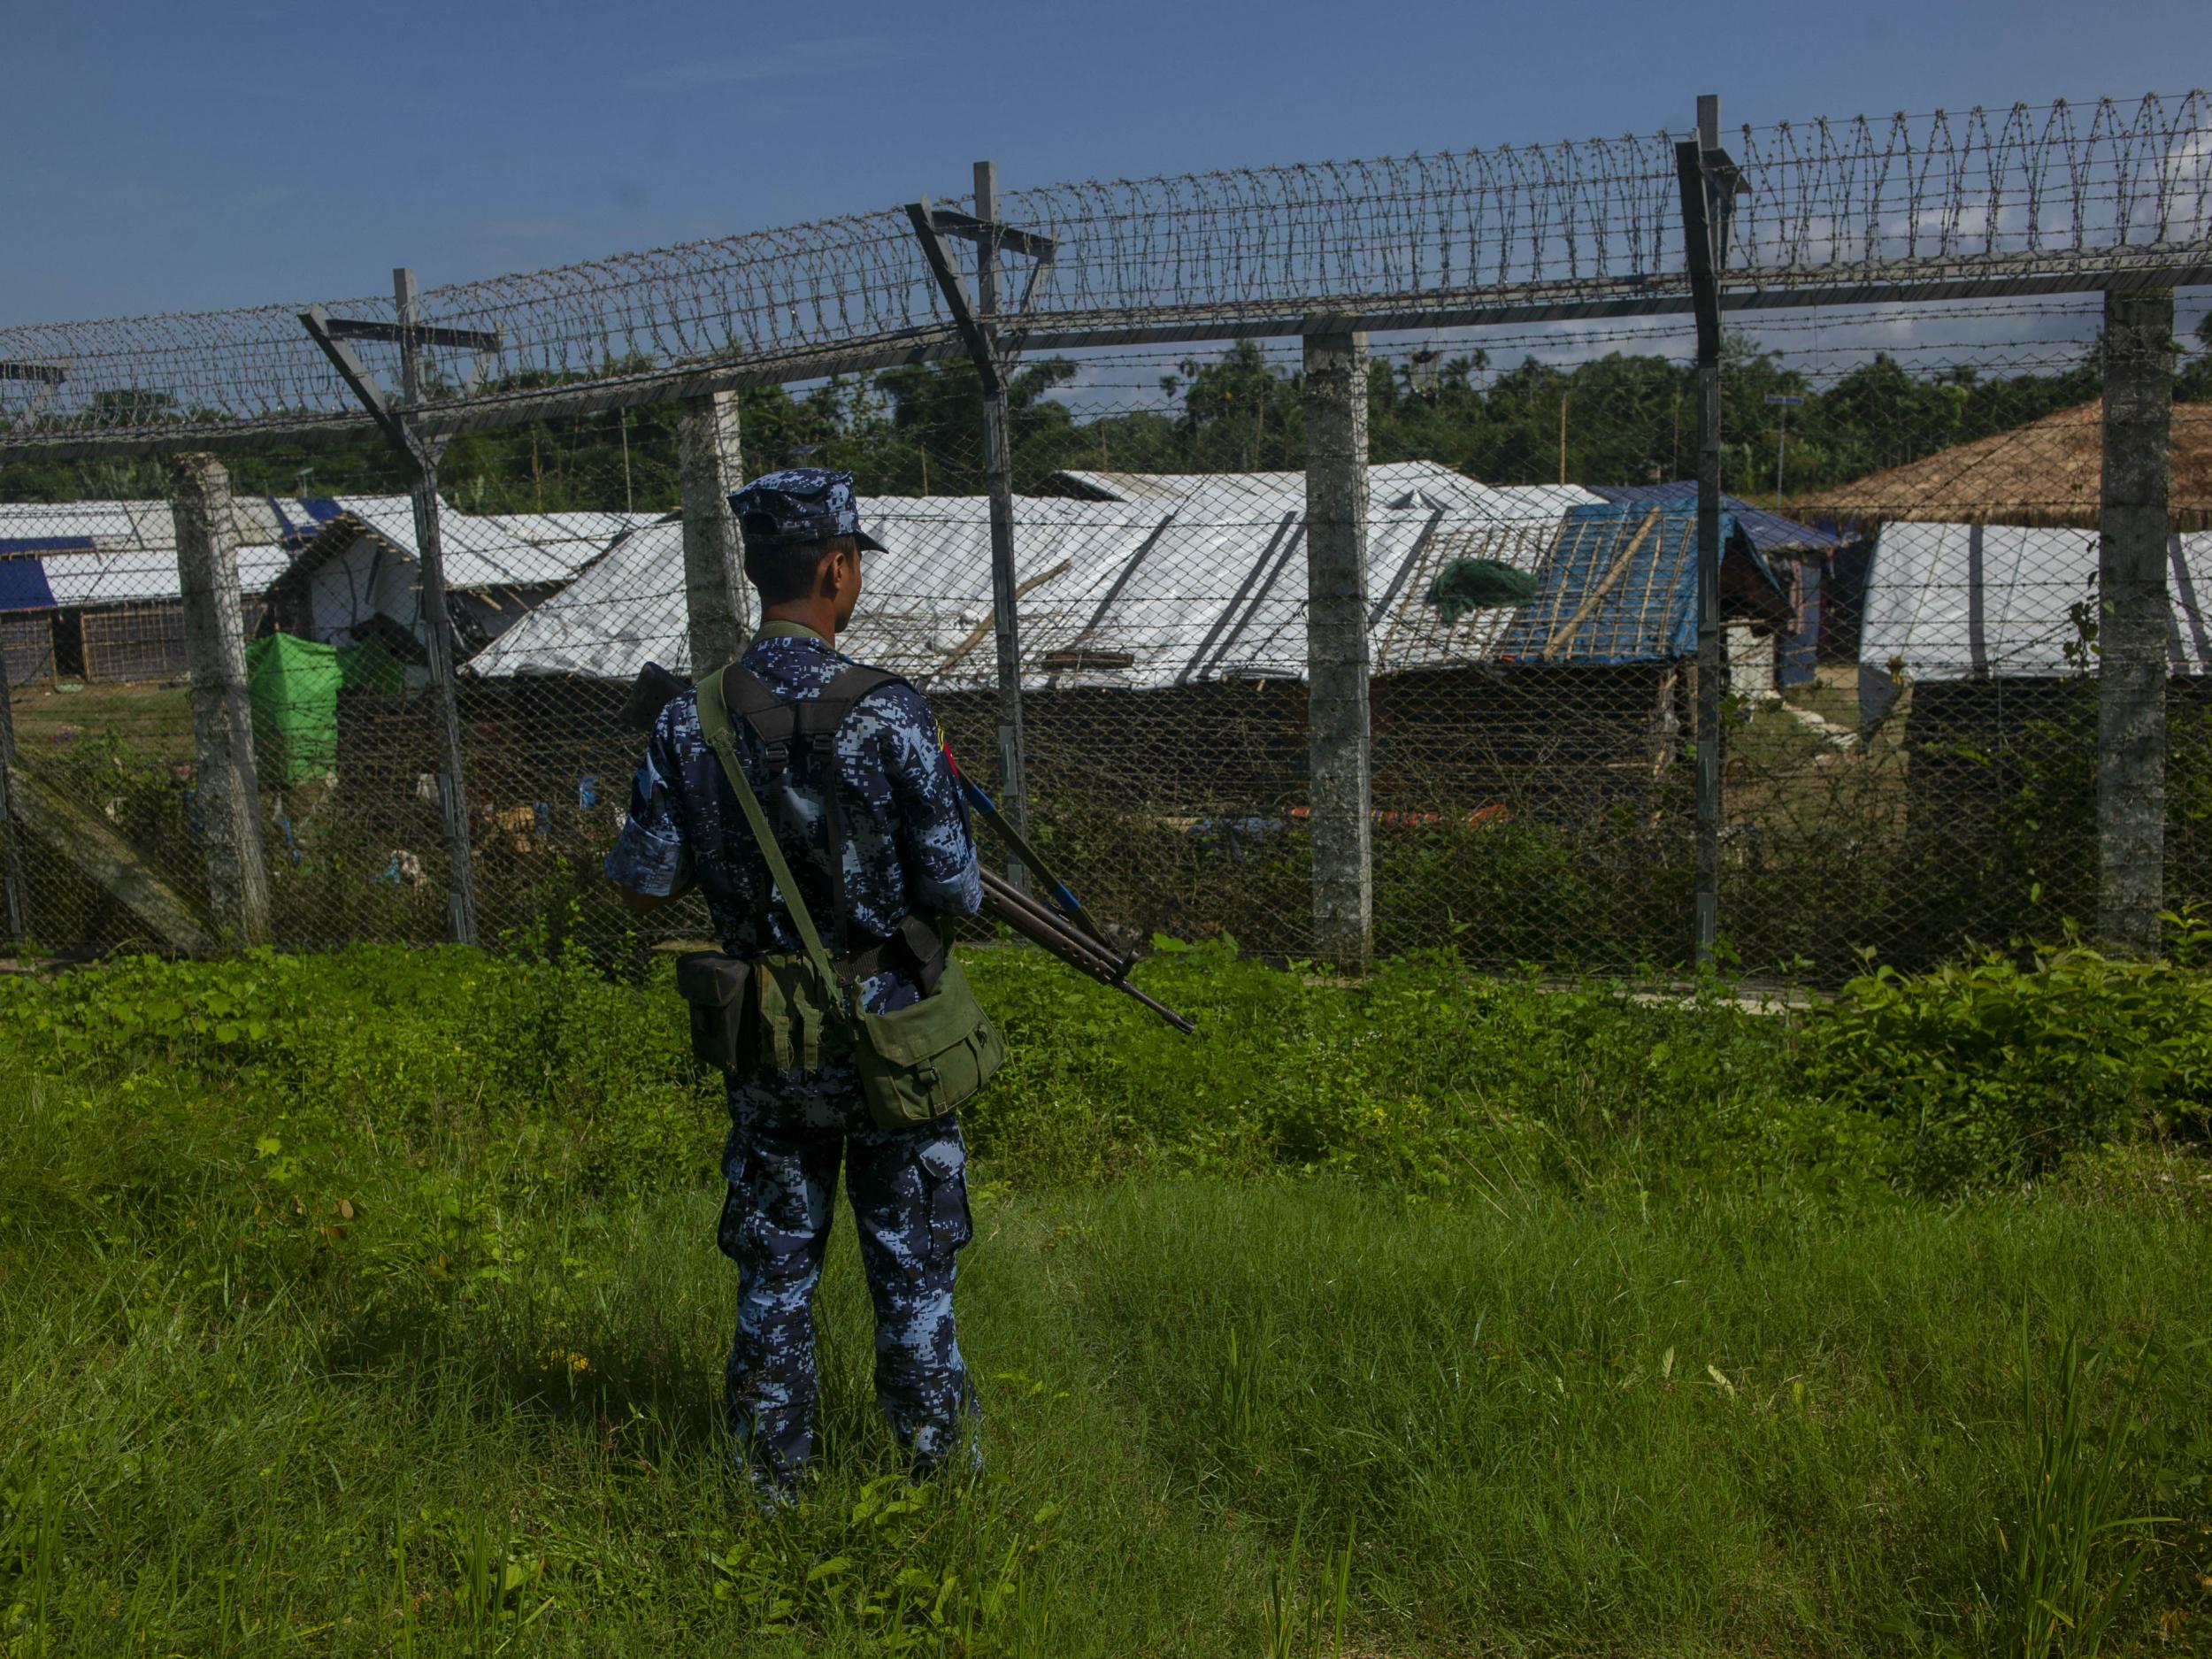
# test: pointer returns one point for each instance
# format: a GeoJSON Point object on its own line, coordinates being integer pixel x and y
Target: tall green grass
{"type": "Point", "coordinates": [1722, 1428]}
{"type": "Point", "coordinates": [359, 1333]}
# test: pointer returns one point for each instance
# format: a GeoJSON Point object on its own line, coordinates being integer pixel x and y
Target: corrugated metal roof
{"type": "Point", "coordinates": [1968, 602]}
{"type": "Point", "coordinates": [1770, 532]}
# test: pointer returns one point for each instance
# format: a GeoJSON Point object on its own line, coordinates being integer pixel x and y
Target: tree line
{"type": "Point", "coordinates": [1620, 418]}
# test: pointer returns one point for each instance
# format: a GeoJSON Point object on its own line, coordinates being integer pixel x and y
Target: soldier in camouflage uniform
{"type": "Point", "coordinates": [907, 847]}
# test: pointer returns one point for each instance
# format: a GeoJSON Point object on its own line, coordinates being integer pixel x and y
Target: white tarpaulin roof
{"type": "Point", "coordinates": [1392, 483]}
{"type": "Point", "coordinates": [125, 552]}
{"type": "Point", "coordinates": [479, 552]}
{"type": "Point", "coordinates": [126, 526]}
{"type": "Point", "coordinates": [1970, 602]}
{"type": "Point", "coordinates": [118, 579]}
{"type": "Point", "coordinates": [1183, 585]}
{"type": "Point", "coordinates": [132, 555]}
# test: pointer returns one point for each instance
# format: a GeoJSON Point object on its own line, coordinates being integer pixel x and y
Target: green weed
{"type": "Point", "coordinates": [2074, 1553]}
{"type": "Point", "coordinates": [2001, 1067]}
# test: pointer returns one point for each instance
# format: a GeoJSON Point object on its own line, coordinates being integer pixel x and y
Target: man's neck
{"type": "Point", "coordinates": [812, 615]}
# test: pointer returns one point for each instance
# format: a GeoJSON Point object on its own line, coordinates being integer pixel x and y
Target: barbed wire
{"type": "Point", "coordinates": [2039, 197]}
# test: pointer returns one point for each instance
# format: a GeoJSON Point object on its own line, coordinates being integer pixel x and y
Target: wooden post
{"type": "Point", "coordinates": [1336, 647]}
{"type": "Point", "coordinates": [228, 792]}
{"type": "Point", "coordinates": [710, 465]}
{"type": "Point", "coordinates": [437, 627]}
{"type": "Point", "coordinates": [2134, 616]}
{"type": "Point", "coordinates": [998, 463]}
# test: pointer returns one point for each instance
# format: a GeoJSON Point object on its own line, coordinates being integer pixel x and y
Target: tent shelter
{"type": "Point", "coordinates": [88, 589]}
{"type": "Point", "coordinates": [1799, 554]}
{"type": "Point", "coordinates": [1621, 589]}
{"type": "Point", "coordinates": [1158, 582]}
{"type": "Point", "coordinates": [356, 575]}
{"type": "Point", "coordinates": [1976, 603]}
{"type": "Point", "coordinates": [1975, 647]}
{"type": "Point", "coordinates": [1163, 638]}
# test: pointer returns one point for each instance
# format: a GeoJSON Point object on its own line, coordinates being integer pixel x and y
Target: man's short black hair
{"type": "Point", "coordinates": [784, 570]}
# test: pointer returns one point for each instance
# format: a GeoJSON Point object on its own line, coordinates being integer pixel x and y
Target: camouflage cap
{"type": "Point", "coordinates": [800, 505]}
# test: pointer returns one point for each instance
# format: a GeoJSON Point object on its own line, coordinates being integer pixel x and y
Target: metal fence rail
{"type": "Point", "coordinates": [2028, 198]}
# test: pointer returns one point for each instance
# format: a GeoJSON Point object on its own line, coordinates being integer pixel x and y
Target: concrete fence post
{"type": "Point", "coordinates": [709, 465]}
{"type": "Point", "coordinates": [1336, 647]}
{"type": "Point", "coordinates": [228, 792]}
{"type": "Point", "coordinates": [2133, 617]}
{"type": "Point", "coordinates": [16, 899]}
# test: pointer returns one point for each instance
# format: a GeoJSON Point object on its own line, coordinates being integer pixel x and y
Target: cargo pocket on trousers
{"type": "Point", "coordinates": [751, 1230]}
{"type": "Point", "coordinates": [943, 1164]}
{"type": "Point", "coordinates": [732, 1234]}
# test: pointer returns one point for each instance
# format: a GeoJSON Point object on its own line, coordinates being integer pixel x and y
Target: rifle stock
{"type": "Point", "coordinates": [656, 688]}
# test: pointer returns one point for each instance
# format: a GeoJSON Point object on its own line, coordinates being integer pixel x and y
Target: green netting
{"type": "Point", "coordinates": [368, 667]}
{"type": "Point", "coordinates": [1474, 584]}
{"type": "Point", "coordinates": [293, 684]}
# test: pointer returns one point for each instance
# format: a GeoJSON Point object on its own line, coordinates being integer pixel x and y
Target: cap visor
{"type": "Point", "coordinates": [869, 544]}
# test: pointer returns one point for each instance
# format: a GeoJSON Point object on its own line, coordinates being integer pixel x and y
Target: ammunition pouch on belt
{"type": "Point", "coordinates": [792, 1009]}
{"type": "Point", "coordinates": [763, 1016]}
{"type": "Point", "coordinates": [717, 992]}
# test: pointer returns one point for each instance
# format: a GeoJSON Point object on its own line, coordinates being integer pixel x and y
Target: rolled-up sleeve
{"type": "Point", "coordinates": [650, 856]}
{"type": "Point", "coordinates": [936, 841]}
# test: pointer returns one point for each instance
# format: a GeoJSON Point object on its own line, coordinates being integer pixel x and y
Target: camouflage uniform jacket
{"type": "Point", "coordinates": [908, 845]}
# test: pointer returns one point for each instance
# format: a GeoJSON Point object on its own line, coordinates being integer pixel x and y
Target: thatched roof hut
{"type": "Point", "coordinates": [2046, 473]}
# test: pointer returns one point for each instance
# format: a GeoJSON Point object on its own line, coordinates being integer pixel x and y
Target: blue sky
{"type": "Point", "coordinates": [167, 157]}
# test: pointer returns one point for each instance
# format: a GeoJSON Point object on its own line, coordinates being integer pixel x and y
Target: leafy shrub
{"type": "Point", "coordinates": [543, 1077]}
{"type": "Point", "coordinates": [1995, 1067]}
{"type": "Point", "coordinates": [1419, 1076]}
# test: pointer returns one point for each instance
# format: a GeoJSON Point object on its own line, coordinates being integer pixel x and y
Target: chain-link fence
{"type": "Point", "coordinates": [1346, 556]}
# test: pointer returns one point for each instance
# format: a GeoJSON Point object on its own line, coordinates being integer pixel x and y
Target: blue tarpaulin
{"type": "Point", "coordinates": [23, 585]}
{"type": "Point", "coordinates": [301, 520]}
{"type": "Point", "coordinates": [1770, 532]}
{"type": "Point", "coordinates": [1621, 587]}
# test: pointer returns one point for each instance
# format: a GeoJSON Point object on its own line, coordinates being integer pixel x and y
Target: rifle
{"type": "Point", "coordinates": [1068, 932]}
{"type": "Point", "coordinates": [1071, 935]}
{"type": "Point", "coordinates": [654, 690]}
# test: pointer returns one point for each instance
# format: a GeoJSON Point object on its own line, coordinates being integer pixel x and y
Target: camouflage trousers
{"type": "Point", "coordinates": [909, 1192]}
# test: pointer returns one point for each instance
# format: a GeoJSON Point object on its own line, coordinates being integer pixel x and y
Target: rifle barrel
{"type": "Point", "coordinates": [1037, 921]}
{"type": "Point", "coordinates": [1041, 927]}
